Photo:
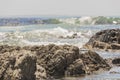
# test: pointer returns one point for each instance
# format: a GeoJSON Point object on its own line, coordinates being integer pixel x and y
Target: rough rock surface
{"type": "Point", "coordinates": [106, 39]}
{"type": "Point", "coordinates": [87, 63]}
{"type": "Point", "coordinates": [17, 65]}
{"type": "Point", "coordinates": [76, 68]}
{"type": "Point", "coordinates": [45, 62]}
{"type": "Point", "coordinates": [55, 59]}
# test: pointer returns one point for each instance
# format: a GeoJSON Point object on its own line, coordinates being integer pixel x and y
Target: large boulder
{"type": "Point", "coordinates": [93, 62]}
{"type": "Point", "coordinates": [87, 63]}
{"type": "Point", "coordinates": [55, 59]}
{"type": "Point", "coordinates": [106, 39]}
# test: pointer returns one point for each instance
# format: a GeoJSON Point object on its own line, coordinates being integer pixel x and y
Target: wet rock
{"type": "Point", "coordinates": [87, 63]}
{"type": "Point", "coordinates": [71, 36]}
{"type": "Point", "coordinates": [56, 59]}
{"type": "Point", "coordinates": [114, 72]}
{"type": "Point", "coordinates": [106, 39]}
{"type": "Point", "coordinates": [76, 68]}
{"type": "Point", "coordinates": [93, 61]}
{"type": "Point", "coordinates": [116, 61]}
{"type": "Point", "coordinates": [53, 58]}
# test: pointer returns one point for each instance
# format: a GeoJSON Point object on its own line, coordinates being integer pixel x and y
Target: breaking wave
{"type": "Point", "coordinates": [56, 35]}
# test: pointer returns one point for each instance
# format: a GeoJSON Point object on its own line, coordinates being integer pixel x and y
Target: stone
{"type": "Point", "coordinates": [106, 39]}
{"type": "Point", "coordinates": [116, 61]}
{"type": "Point", "coordinates": [47, 62]}
{"type": "Point", "coordinates": [57, 58]}
{"type": "Point", "coordinates": [17, 66]}
{"type": "Point", "coordinates": [87, 63]}
{"type": "Point", "coordinates": [76, 68]}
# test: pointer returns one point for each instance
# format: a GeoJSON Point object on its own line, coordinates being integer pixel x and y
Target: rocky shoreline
{"type": "Point", "coordinates": [44, 62]}
{"type": "Point", "coordinates": [105, 39]}
{"type": "Point", "coordinates": [57, 61]}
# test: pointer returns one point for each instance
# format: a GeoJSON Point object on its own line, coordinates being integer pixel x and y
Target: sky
{"type": "Point", "coordinates": [60, 7]}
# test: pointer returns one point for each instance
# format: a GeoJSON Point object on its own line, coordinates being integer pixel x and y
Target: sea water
{"type": "Point", "coordinates": [48, 34]}
{"type": "Point", "coordinates": [59, 34]}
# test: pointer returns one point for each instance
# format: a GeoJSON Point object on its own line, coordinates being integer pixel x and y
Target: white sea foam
{"type": "Point", "coordinates": [44, 37]}
{"type": "Point", "coordinates": [85, 20]}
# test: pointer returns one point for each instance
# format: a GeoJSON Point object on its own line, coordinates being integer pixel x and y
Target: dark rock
{"type": "Point", "coordinates": [76, 68]}
{"type": "Point", "coordinates": [56, 59]}
{"type": "Point", "coordinates": [114, 72]}
{"type": "Point", "coordinates": [106, 39]}
{"type": "Point", "coordinates": [116, 61]}
{"type": "Point", "coordinates": [87, 63]}
{"type": "Point", "coordinates": [93, 61]}
{"type": "Point", "coordinates": [115, 46]}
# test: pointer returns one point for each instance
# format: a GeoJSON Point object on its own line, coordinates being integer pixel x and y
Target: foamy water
{"type": "Point", "coordinates": [48, 34]}
{"type": "Point", "coordinates": [55, 35]}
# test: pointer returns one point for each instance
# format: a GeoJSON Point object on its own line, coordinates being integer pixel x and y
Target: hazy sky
{"type": "Point", "coordinates": [59, 7]}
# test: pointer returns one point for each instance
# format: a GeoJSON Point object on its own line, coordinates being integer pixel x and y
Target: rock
{"type": "Point", "coordinates": [40, 73]}
{"type": "Point", "coordinates": [106, 39]}
{"type": "Point", "coordinates": [56, 59]}
{"type": "Point", "coordinates": [116, 61]}
{"type": "Point", "coordinates": [47, 62]}
{"type": "Point", "coordinates": [115, 46]}
{"type": "Point", "coordinates": [76, 68]}
{"type": "Point", "coordinates": [93, 61]}
{"type": "Point", "coordinates": [87, 63]}
{"type": "Point", "coordinates": [17, 65]}
{"type": "Point", "coordinates": [114, 72]}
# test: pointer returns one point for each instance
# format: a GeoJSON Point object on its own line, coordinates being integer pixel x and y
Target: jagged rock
{"type": "Point", "coordinates": [87, 63]}
{"type": "Point", "coordinates": [56, 59]}
{"type": "Point", "coordinates": [17, 65]}
{"type": "Point", "coordinates": [93, 61]}
{"type": "Point", "coordinates": [106, 39]}
{"type": "Point", "coordinates": [76, 68]}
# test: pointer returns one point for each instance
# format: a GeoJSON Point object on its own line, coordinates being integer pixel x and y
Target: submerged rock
{"type": "Point", "coordinates": [106, 39]}
{"type": "Point", "coordinates": [114, 72]}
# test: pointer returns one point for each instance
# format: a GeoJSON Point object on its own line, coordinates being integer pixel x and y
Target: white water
{"type": "Point", "coordinates": [45, 36]}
